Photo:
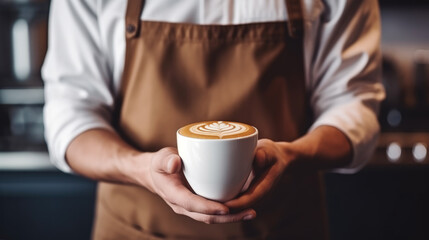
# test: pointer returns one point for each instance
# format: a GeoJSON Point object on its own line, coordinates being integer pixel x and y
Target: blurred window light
{"type": "Point", "coordinates": [394, 152]}
{"type": "Point", "coordinates": [394, 118]}
{"type": "Point", "coordinates": [21, 49]}
{"type": "Point", "coordinates": [419, 152]}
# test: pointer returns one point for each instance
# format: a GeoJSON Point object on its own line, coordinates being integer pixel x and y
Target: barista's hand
{"type": "Point", "coordinates": [325, 147]}
{"type": "Point", "coordinates": [168, 182]}
{"type": "Point", "coordinates": [271, 160]}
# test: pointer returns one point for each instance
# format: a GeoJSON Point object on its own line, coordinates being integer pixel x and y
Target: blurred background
{"type": "Point", "coordinates": [389, 199]}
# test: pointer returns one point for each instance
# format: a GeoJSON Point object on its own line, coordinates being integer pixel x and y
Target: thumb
{"type": "Point", "coordinates": [260, 159]}
{"type": "Point", "coordinates": [172, 164]}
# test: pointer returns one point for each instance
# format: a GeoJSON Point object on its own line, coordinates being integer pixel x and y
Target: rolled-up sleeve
{"type": "Point", "coordinates": [78, 94]}
{"type": "Point", "coordinates": [344, 74]}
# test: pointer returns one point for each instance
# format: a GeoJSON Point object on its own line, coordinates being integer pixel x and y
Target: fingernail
{"type": "Point", "coordinates": [171, 165]}
{"type": "Point", "coordinates": [248, 217]}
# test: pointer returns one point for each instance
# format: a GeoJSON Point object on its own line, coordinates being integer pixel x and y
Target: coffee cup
{"type": "Point", "coordinates": [217, 157]}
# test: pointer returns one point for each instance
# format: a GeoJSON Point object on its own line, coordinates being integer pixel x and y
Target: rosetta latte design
{"type": "Point", "coordinates": [219, 129]}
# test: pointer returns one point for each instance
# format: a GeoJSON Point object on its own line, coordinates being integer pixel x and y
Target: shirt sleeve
{"type": "Point", "coordinates": [78, 94]}
{"type": "Point", "coordinates": [344, 73]}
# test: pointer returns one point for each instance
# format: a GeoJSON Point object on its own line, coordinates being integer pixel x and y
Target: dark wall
{"type": "Point", "coordinates": [45, 205]}
{"type": "Point", "coordinates": [389, 203]}
{"type": "Point", "coordinates": [385, 203]}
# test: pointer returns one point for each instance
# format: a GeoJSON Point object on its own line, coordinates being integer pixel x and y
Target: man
{"type": "Point", "coordinates": [113, 104]}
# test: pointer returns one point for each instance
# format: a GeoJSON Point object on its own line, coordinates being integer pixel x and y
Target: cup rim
{"type": "Point", "coordinates": [219, 139]}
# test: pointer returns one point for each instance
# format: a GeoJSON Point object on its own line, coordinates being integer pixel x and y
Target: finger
{"type": "Point", "coordinates": [260, 159]}
{"type": "Point", "coordinates": [264, 157]}
{"type": "Point", "coordinates": [174, 164]}
{"type": "Point", "coordinates": [173, 190]}
{"type": "Point", "coordinates": [212, 219]}
{"type": "Point", "coordinates": [255, 192]}
{"type": "Point", "coordinates": [182, 197]}
{"type": "Point", "coordinates": [167, 163]}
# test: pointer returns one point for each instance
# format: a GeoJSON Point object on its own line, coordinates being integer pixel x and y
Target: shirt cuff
{"type": "Point", "coordinates": [360, 125]}
{"type": "Point", "coordinates": [60, 136]}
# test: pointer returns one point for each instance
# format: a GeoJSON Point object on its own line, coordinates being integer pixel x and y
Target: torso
{"type": "Point", "coordinates": [176, 74]}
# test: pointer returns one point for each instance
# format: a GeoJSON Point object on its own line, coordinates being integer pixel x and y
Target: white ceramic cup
{"type": "Point", "coordinates": [217, 169]}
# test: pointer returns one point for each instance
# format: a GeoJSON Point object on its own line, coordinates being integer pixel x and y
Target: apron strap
{"type": "Point", "coordinates": [294, 10]}
{"type": "Point", "coordinates": [132, 17]}
{"type": "Point", "coordinates": [295, 21]}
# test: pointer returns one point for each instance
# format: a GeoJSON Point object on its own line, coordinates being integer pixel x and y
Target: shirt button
{"type": "Point", "coordinates": [131, 28]}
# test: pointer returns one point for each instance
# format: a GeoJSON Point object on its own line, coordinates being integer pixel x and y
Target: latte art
{"type": "Point", "coordinates": [217, 130]}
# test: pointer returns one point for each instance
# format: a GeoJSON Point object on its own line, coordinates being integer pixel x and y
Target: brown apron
{"type": "Point", "coordinates": [176, 74]}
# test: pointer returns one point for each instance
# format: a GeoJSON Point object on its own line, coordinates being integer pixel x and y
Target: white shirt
{"type": "Point", "coordinates": [85, 60]}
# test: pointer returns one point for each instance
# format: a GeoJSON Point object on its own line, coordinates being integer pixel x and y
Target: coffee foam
{"type": "Point", "coordinates": [217, 130]}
